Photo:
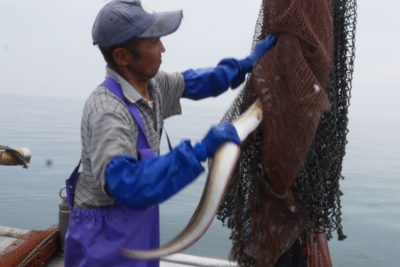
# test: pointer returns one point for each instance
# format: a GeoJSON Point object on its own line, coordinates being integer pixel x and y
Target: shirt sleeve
{"type": "Point", "coordinates": [171, 88]}
{"type": "Point", "coordinates": [211, 82]}
{"type": "Point", "coordinates": [140, 184]}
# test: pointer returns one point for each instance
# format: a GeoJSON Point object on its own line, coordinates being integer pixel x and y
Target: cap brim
{"type": "Point", "coordinates": [165, 23]}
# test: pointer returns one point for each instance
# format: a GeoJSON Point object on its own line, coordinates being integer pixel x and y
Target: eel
{"type": "Point", "coordinates": [224, 163]}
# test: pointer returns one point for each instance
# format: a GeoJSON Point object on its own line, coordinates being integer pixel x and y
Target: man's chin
{"type": "Point", "coordinates": [154, 73]}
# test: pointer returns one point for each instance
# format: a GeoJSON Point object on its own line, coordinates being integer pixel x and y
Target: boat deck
{"type": "Point", "coordinates": [9, 235]}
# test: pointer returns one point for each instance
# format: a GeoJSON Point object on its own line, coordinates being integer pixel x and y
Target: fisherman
{"type": "Point", "coordinates": [123, 177]}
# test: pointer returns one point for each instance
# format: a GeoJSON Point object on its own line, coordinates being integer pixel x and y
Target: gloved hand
{"type": "Point", "coordinates": [260, 49]}
{"type": "Point", "coordinates": [216, 136]}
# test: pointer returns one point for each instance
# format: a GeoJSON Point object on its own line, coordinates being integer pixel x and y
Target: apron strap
{"type": "Point", "coordinates": [144, 149]}
{"type": "Point", "coordinates": [70, 185]}
{"type": "Point", "coordinates": [142, 142]}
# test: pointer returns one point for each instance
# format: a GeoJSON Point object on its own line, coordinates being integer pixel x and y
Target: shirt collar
{"type": "Point", "coordinates": [127, 89]}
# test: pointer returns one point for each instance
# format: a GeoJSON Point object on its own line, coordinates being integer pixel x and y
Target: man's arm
{"type": "Point", "coordinates": [140, 184]}
{"type": "Point", "coordinates": [229, 72]}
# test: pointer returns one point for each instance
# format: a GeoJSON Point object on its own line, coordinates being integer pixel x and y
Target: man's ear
{"type": "Point", "coordinates": [120, 56]}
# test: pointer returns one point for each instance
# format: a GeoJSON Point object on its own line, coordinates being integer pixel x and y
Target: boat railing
{"type": "Point", "coordinates": [191, 260]}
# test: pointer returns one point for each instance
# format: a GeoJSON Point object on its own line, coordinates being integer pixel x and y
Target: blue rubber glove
{"type": "Point", "coordinates": [260, 49]}
{"type": "Point", "coordinates": [211, 82]}
{"type": "Point", "coordinates": [141, 184]}
{"type": "Point", "coordinates": [216, 136]}
{"type": "Point", "coordinates": [230, 72]}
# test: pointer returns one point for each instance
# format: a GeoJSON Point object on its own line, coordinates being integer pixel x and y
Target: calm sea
{"type": "Point", "coordinates": [49, 126]}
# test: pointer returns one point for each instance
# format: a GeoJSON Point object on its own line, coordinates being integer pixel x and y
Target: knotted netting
{"type": "Point", "coordinates": [287, 180]}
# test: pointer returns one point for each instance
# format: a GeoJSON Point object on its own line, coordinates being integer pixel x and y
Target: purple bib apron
{"type": "Point", "coordinates": [96, 236]}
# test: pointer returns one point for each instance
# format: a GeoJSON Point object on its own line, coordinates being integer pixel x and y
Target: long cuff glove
{"type": "Point", "coordinates": [230, 72]}
{"type": "Point", "coordinates": [215, 137]}
{"type": "Point", "coordinates": [260, 49]}
{"type": "Point", "coordinates": [211, 82]}
{"type": "Point", "coordinates": [140, 184]}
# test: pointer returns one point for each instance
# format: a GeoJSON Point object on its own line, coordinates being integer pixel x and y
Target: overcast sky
{"type": "Point", "coordinates": [46, 49]}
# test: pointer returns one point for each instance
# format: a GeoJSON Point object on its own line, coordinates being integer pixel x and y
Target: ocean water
{"type": "Point", "coordinates": [49, 126]}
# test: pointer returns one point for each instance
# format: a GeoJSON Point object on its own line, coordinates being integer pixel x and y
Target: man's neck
{"type": "Point", "coordinates": [141, 84]}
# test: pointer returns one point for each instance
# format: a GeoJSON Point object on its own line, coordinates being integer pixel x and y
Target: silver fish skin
{"type": "Point", "coordinates": [224, 164]}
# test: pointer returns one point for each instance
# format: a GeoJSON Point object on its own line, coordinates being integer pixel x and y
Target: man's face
{"type": "Point", "coordinates": [146, 57]}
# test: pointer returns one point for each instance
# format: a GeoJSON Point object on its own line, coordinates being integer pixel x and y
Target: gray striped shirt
{"type": "Point", "coordinates": [108, 130]}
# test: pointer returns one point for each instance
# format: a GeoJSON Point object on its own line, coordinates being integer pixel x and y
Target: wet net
{"type": "Point", "coordinates": [286, 187]}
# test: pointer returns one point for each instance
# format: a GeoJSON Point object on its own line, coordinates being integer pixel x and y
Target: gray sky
{"type": "Point", "coordinates": [45, 46]}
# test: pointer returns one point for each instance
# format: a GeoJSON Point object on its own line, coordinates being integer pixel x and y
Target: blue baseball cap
{"type": "Point", "coordinates": [121, 20]}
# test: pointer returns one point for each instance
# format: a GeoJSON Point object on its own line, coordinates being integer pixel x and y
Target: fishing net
{"type": "Point", "coordinates": [33, 249]}
{"type": "Point", "coordinates": [285, 196]}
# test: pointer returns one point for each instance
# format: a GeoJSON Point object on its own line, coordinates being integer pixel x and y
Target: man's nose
{"type": "Point", "coordinates": [162, 48]}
